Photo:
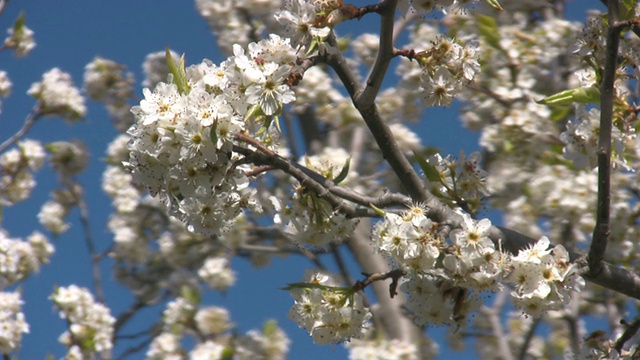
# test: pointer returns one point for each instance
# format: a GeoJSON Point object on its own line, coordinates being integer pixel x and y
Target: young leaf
{"type": "Point", "coordinates": [19, 23]}
{"type": "Point", "coordinates": [430, 171]}
{"type": "Point", "coordinates": [178, 72]}
{"type": "Point", "coordinates": [343, 173]}
{"type": "Point", "coordinates": [582, 95]}
{"type": "Point", "coordinates": [214, 133]}
{"type": "Point", "coordinates": [488, 29]}
{"type": "Point", "coordinates": [628, 9]}
{"type": "Point", "coordinates": [495, 4]}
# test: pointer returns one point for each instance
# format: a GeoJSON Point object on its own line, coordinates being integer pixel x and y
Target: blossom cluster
{"type": "Point", "coordinates": [229, 20]}
{"type": "Point", "coordinates": [382, 350]}
{"type": "Point", "coordinates": [160, 249]}
{"type": "Point", "coordinates": [57, 96]}
{"type": "Point", "coordinates": [211, 326]}
{"type": "Point", "coordinates": [329, 313]}
{"type": "Point", "coordinates": [460, 182]}
{"type": "Point", "coordinates": [18, 258]}
{"type": "Point", "coordinates": [20, 38]}
{"type": "Point", "coordinates": [581, 140]}
{"type": "Point", "coordinates": [302, 23]}
{"type": "Point", "coordinates": [306, 217]}
{"type": "Point", "coordinates": [90, 323]}
{"type": "Point", "coordinates": [543, 278]}
{"type": "Point", "coordinates": [12, 322]}
{"type": "Point", "coordinates": [106, 81]}
{"type": "Point", "coordinates": [5, 85]}
{"type": "Point", "coordinates": [181, 146]}
{"type": "Point", "coordinates": [16, 171]}
{"type": "Point", "coordinates": [446, 68]}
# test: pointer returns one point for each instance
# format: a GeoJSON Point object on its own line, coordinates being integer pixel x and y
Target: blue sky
{"type": "Point", "coordinates": [69, 35]}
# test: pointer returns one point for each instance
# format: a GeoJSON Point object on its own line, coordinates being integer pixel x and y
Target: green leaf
{"type": "Point", "coordinates": [254, 110]}
{"type": "Point", "coordinates": [270, 328]}
{"type": "Point", "coordinates": [508, 146]}
{"type": "Point", "coordinates": [227, 353]}
{"type": "Point", "coordinates": [88, 342]}
{"type": "Point", "coordinates": [19, 23]}
{"type": "Point", "coordinates": [178, 71]}
{"type": "Point", "coordinates": [190, 294]}
{"type": "Point", "coordinates": [628, 9]}
{"type": "Point", "coordinates": [430, 171]}
{"type": "Point", "coordinates": [488, 29]}
{"type": "Point", "coordinates": [560, 113]}
{"type": "Point", "coordinates": [581, 95]}
{"type": "Point", "coordinates": [277, 120]}
{"type": "Point", "coordinates": [307, 161]}
{"type": "Point", "coordinates": [214, 133]}
{"type": "Point", "coordinates": [343, 173]}
{"type": "Point", "coordinates": [495, 4]}
{"type": "Point", "coordinates": [313, 46]}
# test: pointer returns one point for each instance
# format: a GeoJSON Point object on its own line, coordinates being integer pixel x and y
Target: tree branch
{"type": "Point", "coordinates": [380, 131]}
{"type": "Point", "coordinates": [368, 94]}
{"type": "Point", "coordinates": [493, 314]}
{"type": "Point", "coordinates": [601, 232]}
{"type": "Point", "coordinates": [632, 329]}
{"type": "Point", "coordinates": [31, 119]}
{"type": "Point", "coordinates": [395, 324]}
{"type": "Point", "coordinates": [324, 187]}
{"type": "Point", "coordinates": [611, 277]}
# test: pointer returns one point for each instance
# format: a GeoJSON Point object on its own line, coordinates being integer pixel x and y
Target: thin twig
{"type": "Point", "coordinates": [572, 318]}
{"type": "Point", "coordinates": [394, 275]}
{"type": "Point", "coordinates": [88, 238]}
{"type": "Point", "coordinates": [3, 5]}
{"type": "Point", "coordinates": [522, 354]}
{"type": "Point", "coordinates": [493, 313]}
{"type": "Point", "coordinates": [134, 349]}
{"type": "Point", "coordinates": [31, 119]}
{"type": "Point", "coordinates": [631, 330]}
{"type": "Point", "coordinates": [342, 266]}
{"type": "Point", "coordinates": [139, 303]}
{"type": "Point", "coordinates": [601, 232]}
{"type": "Point", "coordinates": [322, 186]}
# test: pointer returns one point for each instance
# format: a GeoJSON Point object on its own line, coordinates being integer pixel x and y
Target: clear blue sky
{"type": "Point", "coordinates": [70, 34]}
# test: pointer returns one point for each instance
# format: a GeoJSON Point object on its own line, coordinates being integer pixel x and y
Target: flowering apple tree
{"type": "Point", "coordinates": [297, 144]}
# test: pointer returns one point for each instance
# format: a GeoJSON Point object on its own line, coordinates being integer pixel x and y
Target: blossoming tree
{"type": "Point", "coordinates": [297, 144]}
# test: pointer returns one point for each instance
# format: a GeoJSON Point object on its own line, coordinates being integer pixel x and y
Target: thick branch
{"type": "Point", "coordinates": [380, 131]}
{"type": "Point", "coordinates": [395, 323]}
{"type": "Point", "coordinates": [373, 83]}
{"type": "Point", "coordinates": [632, 329]}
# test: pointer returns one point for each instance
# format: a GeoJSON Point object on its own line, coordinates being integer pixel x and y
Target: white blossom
{"type": "Point", "coordinates": [12, 322]}
{"type": "Point", "coordinates": [58, 96]}
{"type": "Point", "coordinates": [5, 84]}
{"type": "Point", "coordinates": [328, 314]}
{"type": "Point", "coordinates": [216, 273]}
{"type": "Point", "coordinates": [21, 39]}
{"type": "Point", "coordinates": [90, 323]}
